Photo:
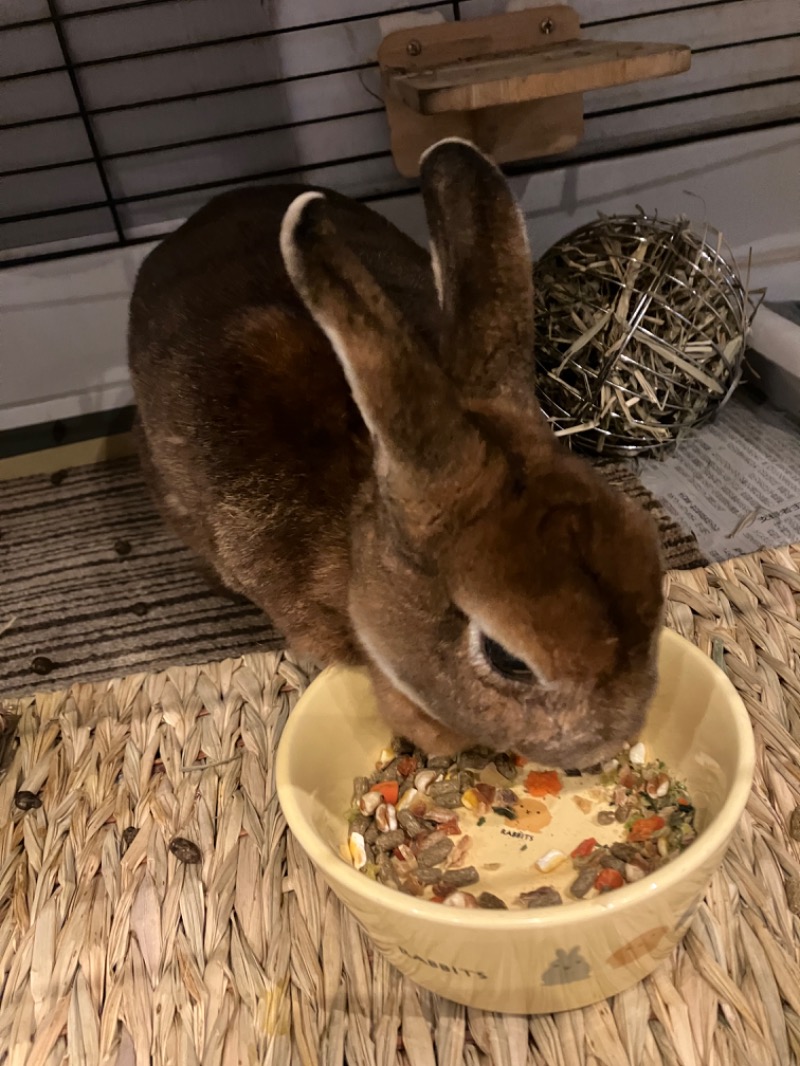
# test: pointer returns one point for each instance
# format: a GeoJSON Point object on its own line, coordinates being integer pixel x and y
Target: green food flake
{"type": "Point", "coordinates": [504, 812]}
{"type": "Point", "coordinates": [481, 820]}
{"type": "Point", "coordinates": [524, 847]}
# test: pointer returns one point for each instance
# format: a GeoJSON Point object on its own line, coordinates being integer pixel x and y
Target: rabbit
{"type": "Point", "coordinates": [344, 428]}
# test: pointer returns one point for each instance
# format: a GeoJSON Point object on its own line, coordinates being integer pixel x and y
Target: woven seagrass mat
{"type": "Point", "coordinates": [114, 951]}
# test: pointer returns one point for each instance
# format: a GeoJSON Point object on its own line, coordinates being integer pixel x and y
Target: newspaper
{"type": "Point", "coordinates": [736, 483]}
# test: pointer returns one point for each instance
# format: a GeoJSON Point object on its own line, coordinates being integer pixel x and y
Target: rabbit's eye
{"type": "Point", "coordinates": [504, 663]}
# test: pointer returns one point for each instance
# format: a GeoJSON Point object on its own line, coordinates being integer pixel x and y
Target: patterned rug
{"type": "Point", "coordinates": [92, 584]}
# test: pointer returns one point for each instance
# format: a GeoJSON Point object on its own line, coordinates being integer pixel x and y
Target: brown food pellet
{"type": "Point", "coordinates": [505, 766]}
{"type": "Point", "coordinates": [129, 835]}
{"type": "Point", "coordinates": [27, 801]}
{"type": "Point", "coordinates": [464, 875]}
{"type": "Point", "coordinates": [360, 788]}
{"type": "Point", "coordinates": [360, 824]}
{"type": "Point", "coordinates": [583, 882]}
{"type": "Point", "coordinates": [491, 903]}
{"type": "Point", "coordinates": [58, 477]}
{"type": "Point", "coordinates": [371, 833]}
{"type": "Point", "coordinates": [428, 875]}
{"type": "Point", "coordinates": [610, 862]}
{"type": "Point", "coordinates": [122, 547]}
{"type": "Point", "coordinates": [185, 851]}
{"type": "Point", "coordinates": [605, 817]}
{"type": "Point", "coordinates": [547, 896]}
{"type": "Point", "coordinates": [472, 760]}
{"type": "Point", "coordinates": [433, 854]}
{"type": "Point", "coordinates": [624, 852]}
{"type": "Point", "coordinates": [439, 762]}
{"type": "Point", "coordinates": [389, 841]}
{"type": "Point", "coordinates": [794, 824]}
{"type": "Point", "coordinates": [139, 609]}
{"type": "Point", "coordinates": [412, 825]}
{"type": "Point", "coordinates": [449, 800]}
{"type": "Point", "coordinates": [42, 665]}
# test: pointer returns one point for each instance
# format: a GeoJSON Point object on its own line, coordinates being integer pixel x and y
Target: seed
{"type": "Point", "coordinates": [440, 816]}
{"type": "Point", "coordinates": [461, 899]}
{"type": "Point", "coordinates": [505, 766]}
{"type": "Point", "coordinates": [433, 854]}
{"type": "Point", "coordinates": [507, 797]}
{"type": "Point", "coordinates": [466, 779]}
{"type": "Point", "coordinates": [637, 754]}
{"type": "Point", "coordinates": [42, 665]}
{"type": "Point", "coordinates": [491, 903]}
{"type": "Point", "coordinates": [605, 817]}
{"type": "Point", "coordinates": [410, 823]}
{"type": "Point", "coordinates": [358, 850]}
{"type": "Point", "coordinates": [632, 873]}
{"type": "Point", "coordinates": [550, 860]}
{"type": "Point", "coordinates": [610, 766]}
{"type": "Point", "coordinates": [473, 800]}
{"type": "Point", "coordinates": [359, 823]}
{"type": "Point", "coordinates": [122, 547]}
{"type": "Point", "coordinates": [387, 773]}
{"type": "Point", "coordinates": [623, 813]}
{"type": "Point", "coordinates": [370, 802]}
{"type": "Point", "coordinates": [449, 800]}
{"type": "Point", "coordinates": [583, 882]}
{"type": "Point", "coordinates": [185, 851]}
{"type": "Point", "coordinates": [459, 851]}
{"type": "Point", "coordinates": [465, 875]}
{"type": "Point", "coordinates": [547, 896]}
{"type": "Point", "coordinates": [794, 824]}
{"type": "Point", "coordinates": [424, 779]}
{"type": "Point", "coordinates": [582, 803]}
{"type": "Point", "coordinates": [386, 818]}
{"type": "Point", "coordinates": [371, 833]}
{"type": "Point", "coordinates": [27, 801]}
{"type": "Point", "coordinates": [663, 847]}
{"type": "Point", "coordinates": [386, 756]}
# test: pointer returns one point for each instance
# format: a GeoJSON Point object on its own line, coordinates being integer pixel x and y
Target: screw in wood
{"type": "Point", "coordinates": [547, 26]}
{"type": "Point", "coordinates": [414, 48]}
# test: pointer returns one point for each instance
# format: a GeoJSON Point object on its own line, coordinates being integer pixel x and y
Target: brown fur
{"type": "Point", "coordinates": [376, 514]}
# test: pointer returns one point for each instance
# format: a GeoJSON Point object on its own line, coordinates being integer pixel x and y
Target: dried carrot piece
{"type": "Point", "coordinates": [643, 828]}
{"type": "Point", "coordinates": [606, 880]}
{"type": "Point", "coordinates": [390, 790]}
{"type": "Point", "coordinates": [543, 783]}
{"type": "Point", "coordinates": [586, 847]}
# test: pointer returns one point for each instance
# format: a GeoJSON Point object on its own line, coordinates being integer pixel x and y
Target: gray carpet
{"type": "Point", "coordinates": [92, 585]}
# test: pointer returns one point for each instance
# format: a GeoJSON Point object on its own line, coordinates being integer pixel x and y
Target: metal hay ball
{"type": "Point", "coordinates": [640, 333]}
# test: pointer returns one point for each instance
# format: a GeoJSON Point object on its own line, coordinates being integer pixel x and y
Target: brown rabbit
{"type": "Point", "coordinates": [368, 463]}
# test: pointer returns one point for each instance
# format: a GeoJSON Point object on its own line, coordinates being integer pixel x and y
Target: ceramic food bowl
{"type": "Point", "coordinates": [554, 958]}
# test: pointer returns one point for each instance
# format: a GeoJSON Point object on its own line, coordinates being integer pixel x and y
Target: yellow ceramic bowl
{"type": "Point", "coordinates": [551, 959]}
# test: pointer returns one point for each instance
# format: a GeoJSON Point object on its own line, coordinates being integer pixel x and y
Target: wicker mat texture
{"type": "Point", "coordinates": [114, 951]}
{"type": "Point", "coordinates": [93, 585]}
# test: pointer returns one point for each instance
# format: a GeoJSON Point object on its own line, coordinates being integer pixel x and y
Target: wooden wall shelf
{"type": "Point", "coordinates": [512, 83]}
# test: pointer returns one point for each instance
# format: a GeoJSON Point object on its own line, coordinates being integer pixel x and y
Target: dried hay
{"type": "Point", "coordinates": [641, 326]}
{"type": "Point", "coordinates": [112, 950]}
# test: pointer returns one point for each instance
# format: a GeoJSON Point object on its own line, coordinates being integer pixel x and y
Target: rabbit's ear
{"type": "Point", "coordinates": [483, 270]}
{"type": "Point", "coordinates": [408, 403]}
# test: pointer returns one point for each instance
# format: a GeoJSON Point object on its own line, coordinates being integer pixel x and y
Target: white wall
{"type": "Point", "coordinates": [62, 323]}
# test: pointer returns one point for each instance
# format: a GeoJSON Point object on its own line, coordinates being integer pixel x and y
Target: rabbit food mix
{"type": "Point", "coordinates": [492, 831]}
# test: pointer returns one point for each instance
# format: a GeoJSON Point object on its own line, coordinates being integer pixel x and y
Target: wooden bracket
{"type": "Point", "coordinates": [511, 83]}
